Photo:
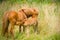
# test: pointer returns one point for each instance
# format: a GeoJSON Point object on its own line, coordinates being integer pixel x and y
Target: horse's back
{"type": "Point", "coordinates": [30, 11]}
{"type": "Point", "coordinates": [12, 14]}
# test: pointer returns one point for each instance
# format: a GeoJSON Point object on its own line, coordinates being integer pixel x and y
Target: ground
{"type": "Point", "coordinates": [49, 18]}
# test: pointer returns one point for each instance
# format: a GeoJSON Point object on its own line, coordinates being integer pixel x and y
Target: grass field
{"type": "Point", "coordinates": [49, 18]}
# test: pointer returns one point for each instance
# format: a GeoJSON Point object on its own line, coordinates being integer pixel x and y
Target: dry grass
{"type": "Point", "coordinates": [49, 18]}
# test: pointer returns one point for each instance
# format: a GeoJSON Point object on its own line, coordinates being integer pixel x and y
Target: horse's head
{"type": "Point", "coordinates": [30, 12]}
{"type": "Point", "coordinates": [21, 17]}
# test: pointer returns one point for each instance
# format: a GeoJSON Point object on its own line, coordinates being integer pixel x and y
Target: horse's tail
{"type": "Point", "coordinates": [5, 23]}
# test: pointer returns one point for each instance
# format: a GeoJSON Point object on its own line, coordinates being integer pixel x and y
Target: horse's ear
{"type": "Point", "coordinates": [34, 9]}
{"type": "Point", "coordinates": [22, 9]}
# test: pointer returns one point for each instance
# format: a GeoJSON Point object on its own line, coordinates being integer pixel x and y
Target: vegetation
{"type": "Point", "coordinates": [49, 18]}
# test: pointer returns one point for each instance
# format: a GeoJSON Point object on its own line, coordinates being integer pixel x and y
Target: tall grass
{"type": "Point", "coordinates": [49, 18]}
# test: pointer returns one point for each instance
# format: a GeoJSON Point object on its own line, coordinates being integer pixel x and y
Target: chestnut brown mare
{"type": "Point", "coordinates": [12, 18]}
{"type": "Point", "coordinates": [24, 17]}
{"type": "Point", "coordinates": [32, 19]}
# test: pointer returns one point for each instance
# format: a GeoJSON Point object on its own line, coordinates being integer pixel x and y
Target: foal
{"type": "Point", "coordinates": [32, 15]}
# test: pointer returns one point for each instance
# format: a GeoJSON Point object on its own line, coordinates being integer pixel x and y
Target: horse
{"type": "Point", "coordinates": [22, 18]}
{"type": "Point", "coordinates": [32, 19]}
{"type": "Point", "coordinates": [12, 18]}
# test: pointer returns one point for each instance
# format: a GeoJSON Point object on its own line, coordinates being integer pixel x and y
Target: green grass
{"type": "Point", "coordinates": [49, 18]}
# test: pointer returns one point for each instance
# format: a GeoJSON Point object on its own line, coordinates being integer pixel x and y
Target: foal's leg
{"type": "Point", "coordinates": [24, 28]}
{"type": "Point", "coordinates": [35, 26]}
{"type": "Point", "coordinates": [20, 29]}
{"type": "Point", "coordinates": [27, 30]}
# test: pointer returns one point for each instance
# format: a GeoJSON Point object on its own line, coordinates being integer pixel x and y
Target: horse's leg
{"type": "Point", "coordinates": [11, 30]}
{"type": "Point", "coordinates": [5, 28]}
{"type": "Point", "coordinates": [7, 36]}
{"type": "Point", "coordinates": [11, 27]}
{"type": "Point", "coordinates": [27, 31]}
{"type": "Point", "coordinates": [24, 28]}
{"type": "Point", "coordinates": [35, 26]}
{"type": "Point", "coordinates": [20, 29]}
